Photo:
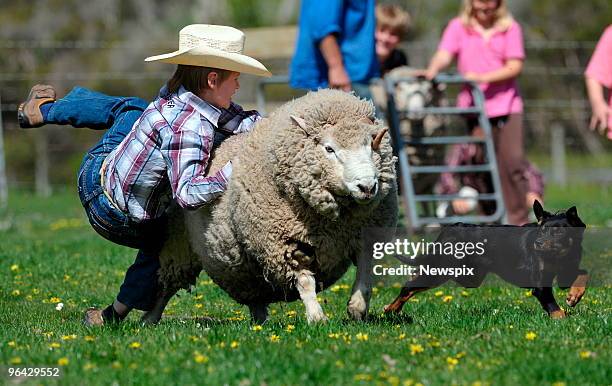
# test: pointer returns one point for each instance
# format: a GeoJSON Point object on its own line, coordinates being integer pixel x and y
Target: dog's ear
{"type": "Point", "coordinates": [572, 217]}
{"type": "Point", "coordinates": [539, 211]}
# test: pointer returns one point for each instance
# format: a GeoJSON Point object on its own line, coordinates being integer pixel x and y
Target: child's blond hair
{"type": "Point", "coordinates": [393, 17]}
{"type": "Point", "coordinates": [503, 18]}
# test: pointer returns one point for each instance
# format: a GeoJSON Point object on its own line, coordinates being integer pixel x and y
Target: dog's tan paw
{"type": "Point", "coordinates": [574, 295]}
{"type": "Point", "coordinates": [559, 314]}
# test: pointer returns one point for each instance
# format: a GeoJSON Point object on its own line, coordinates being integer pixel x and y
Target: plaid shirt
{"type": "Point", "coordinates": [166, 154]}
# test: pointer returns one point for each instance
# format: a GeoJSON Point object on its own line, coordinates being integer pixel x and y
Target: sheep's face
{"type": "Point", "coordinates": [336, 164]}
{"type": "Point", "coordinates": [346, 154]}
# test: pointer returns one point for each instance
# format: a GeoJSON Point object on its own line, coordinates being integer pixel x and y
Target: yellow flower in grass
{"type": "Point", "coordinates": [16, 292]}
{"type": "Point", "coordinates": [15, 361]}
{"type": "Point", "coordinates": [401, 336]}
{"type": "Point", "coordinates": [586, 354]}
{"type": "Point", "coordinates": [198, 297]}
{"type": "Point", "coordinates": [55, 299]}
{"type": "Point", "coordinates": [438, 293]}
{"type": "Point", "coordinates": [199, 305]}
{"type": "Point", "coordinates": [12, 343]}
{"type": "Point", "coordinates": [116, 365]}
{"type": "Point", "coordinates": [447, 299]}
{"type": "Point", "coordinates": [63, 361]}
{"type": "Point", "coordinates": [452, 362]}
{"type": "Point", "coordinates": [528, 293]}
{"type": "Point", "coordinates": [291, 314]}
{"type": "Point", "coordinates": [135, 345]}
{"type": "Point", "coordinates": [290, 327]}
{"type": "Point", "coordinates": [257, 327]}
{"type": "Point", "coordinates": [363, 377]}
{"type": "Point", "coordinates": [334, 335]}
{"type": "Point", "coordinates": [89, 338]}
{"type": "Point", "coordinates": [234, 344]}
{"type": "Point", "coordinates": [416, 349]}
{"type": "Point", "coordinates": [89, 366]}
{"type": "Point", "coordinates": [199, 357]}
{"type": "Point", "coordinates": [559, 383]}
{"type": "Point", "coordinates": [69, 337]}
{"type": "Point", "coordinates": [14, 267]}
{"type": "Point", "coordinates": [274, 338]}
{"type": "Point", "coordinates": [465, 293]}
{"type": "Point", "coordinates": [362, 337]}
{"type": "Point", "coordinates": [54, 345]}
{"type": "Point", "coordinates": [531, 335]}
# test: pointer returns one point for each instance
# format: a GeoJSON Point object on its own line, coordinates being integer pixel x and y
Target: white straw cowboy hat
{"type": "Point", "coordinates": [215, 46]}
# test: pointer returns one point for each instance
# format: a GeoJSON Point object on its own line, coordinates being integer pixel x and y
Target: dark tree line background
{"type": "Point", "coordinates": [101, 44]}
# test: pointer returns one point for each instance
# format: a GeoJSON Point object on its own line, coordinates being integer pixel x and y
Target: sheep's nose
{"type": "Point", "coordinates": [368, 188]}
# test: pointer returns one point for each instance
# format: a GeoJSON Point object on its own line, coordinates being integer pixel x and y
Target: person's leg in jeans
{"type": "Point", "coordinates": [82, 107]}
{"type": "Point", "coordinates": [85, 108]}
{"type": "Point", "coordinates": [508, 139]}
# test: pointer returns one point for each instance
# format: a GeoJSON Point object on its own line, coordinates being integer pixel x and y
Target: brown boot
{"type": "Point", "coordinates": [93, 317]}
{"type": "Point", "coordinates": [28, 113]}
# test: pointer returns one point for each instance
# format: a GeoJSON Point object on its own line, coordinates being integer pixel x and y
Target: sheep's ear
{"type": "Point", "coordinates": [376, 139]}
{"type": "Point", "coordinates": [301, 123]}
{"type": "Point", "coordinates": [298, 121]}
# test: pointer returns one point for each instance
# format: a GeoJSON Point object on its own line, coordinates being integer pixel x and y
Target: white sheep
{"type": "Point", "coordinates": [306, 182]}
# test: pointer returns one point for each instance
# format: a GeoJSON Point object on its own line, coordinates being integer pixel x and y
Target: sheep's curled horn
{"type": "Point", "coordinates": [377, 139]}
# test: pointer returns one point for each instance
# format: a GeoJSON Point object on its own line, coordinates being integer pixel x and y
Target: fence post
{"type": "Point", "coordinates": [559, 168]}
{"type": "Point", "coordinates": [3, 182]}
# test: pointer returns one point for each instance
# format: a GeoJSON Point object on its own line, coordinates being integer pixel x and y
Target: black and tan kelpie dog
{"type": "Point", "coordinates": [529, 256]}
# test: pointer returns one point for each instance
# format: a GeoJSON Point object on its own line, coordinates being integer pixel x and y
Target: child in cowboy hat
{"type": "Point", "coordinates": [151, 155]}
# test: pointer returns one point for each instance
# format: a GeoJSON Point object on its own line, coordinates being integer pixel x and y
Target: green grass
{"type": "Point", "coordinates": [47, 250]}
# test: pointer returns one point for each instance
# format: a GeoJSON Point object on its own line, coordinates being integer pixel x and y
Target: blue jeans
{"type": "Point", "coordinates": [86, 108]}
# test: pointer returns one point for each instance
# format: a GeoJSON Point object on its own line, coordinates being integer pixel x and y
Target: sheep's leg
{"type": "Point", "coordinates": [259, 312]}
{"type": "Point", "coordinates": [359, 301]}
{"type": "Point", "coordinates": [154, 316]}
{"type": "Point", "coordinates": [306, 286]}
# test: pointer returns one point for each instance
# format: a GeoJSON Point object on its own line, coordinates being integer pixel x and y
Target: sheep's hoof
{"type": "Point", "coordinates": [357, 313]}
{"type": "Point", "coordinates": [357, 308]}
{"type": "Point", "coordinates": [316, 317]}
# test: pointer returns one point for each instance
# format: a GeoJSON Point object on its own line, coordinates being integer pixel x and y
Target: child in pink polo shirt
{"type": "Point", "coordinates": [488, 45]}
{"type": "Point", "coordinates": [599, 75]}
